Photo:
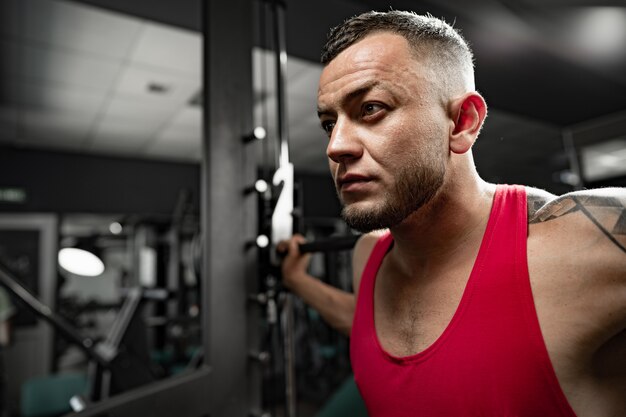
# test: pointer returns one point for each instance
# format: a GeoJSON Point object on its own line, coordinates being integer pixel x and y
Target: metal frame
{"type": "Point", "coordinates": [181, 396]}
{"type": "Point", "coordinates": [230, 325]}
{"type": "Point", "coordinates": [228, 383]}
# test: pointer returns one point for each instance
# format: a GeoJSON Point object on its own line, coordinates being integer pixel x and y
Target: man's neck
{"type": "Point", "coordinates": [452, 223]}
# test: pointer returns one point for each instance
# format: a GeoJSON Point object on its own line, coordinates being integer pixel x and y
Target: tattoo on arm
{"type": "Point", "coordinates": [541, 209]}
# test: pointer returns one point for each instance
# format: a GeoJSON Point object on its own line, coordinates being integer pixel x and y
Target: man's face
{"type": "Point", "coordinates": [388, 131]}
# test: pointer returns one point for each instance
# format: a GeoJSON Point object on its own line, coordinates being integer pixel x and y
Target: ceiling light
{"type": "Point", "coordinates": [604, 160]}
{"type": "Point", "coordinates": [601, 31]}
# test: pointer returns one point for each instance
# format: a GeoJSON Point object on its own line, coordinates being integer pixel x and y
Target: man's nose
{"type": "Point", "coordinates": [344, 143]}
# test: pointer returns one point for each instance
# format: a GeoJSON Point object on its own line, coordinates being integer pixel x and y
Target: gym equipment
{"type": "Point", "coordinates": [331, 244]}
{"type": "Point", "coordinates": [11, 283]}
{"type": "Point", "coordinates": [51, 395]}
{"type": "Point", "coordinates": [282, 220]}
{"type": "Point", "coordinates": [276, 222]}
{"type": "Point", "coordinates": [181, 395]}
{"type": "Point", "coordinates": [118, 363]}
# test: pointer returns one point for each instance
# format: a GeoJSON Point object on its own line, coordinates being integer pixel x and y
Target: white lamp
{"type": "Point", "coordinates": [81, 261]}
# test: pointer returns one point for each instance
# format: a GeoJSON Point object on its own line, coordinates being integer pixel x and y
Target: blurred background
{"type": "Point", "coordinates": [101, 148]}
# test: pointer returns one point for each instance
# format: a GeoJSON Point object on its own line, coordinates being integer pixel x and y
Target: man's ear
{"type": "Point", "coordinates": [468, 113]}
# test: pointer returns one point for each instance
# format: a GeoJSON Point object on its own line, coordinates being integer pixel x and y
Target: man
{"type": "Point", "coordinates": [472, 299]}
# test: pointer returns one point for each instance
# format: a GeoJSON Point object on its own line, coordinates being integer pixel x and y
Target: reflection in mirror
{"type": "Point", "coordinates": [143, 308]}
{"type": "Point", "coordinates": [100, 149]}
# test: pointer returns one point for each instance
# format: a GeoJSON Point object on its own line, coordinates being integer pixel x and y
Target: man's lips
{"type": "Point", "coordinates": [352, 181]}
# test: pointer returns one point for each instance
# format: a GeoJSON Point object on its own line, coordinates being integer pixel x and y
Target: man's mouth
{"type": "Point", "coordinates": [352, 182]}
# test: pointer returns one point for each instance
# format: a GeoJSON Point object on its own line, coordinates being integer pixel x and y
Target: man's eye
{"type": "Point", "coordinates": [328, 126]}
{"type": "Point", "coordinates": [371, 108]}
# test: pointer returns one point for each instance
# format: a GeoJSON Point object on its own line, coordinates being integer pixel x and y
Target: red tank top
{"type": "Point", "coordinates": [491, 359]}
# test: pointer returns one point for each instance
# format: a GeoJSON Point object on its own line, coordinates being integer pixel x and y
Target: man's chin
{"type": "Point", "coordinates": [364, 221]}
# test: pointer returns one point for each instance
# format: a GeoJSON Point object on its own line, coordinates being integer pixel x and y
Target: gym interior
{"type": "Point", "coordinates": [174, 141]}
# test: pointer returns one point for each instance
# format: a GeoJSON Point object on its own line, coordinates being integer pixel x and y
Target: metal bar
{"type": "Point", "coordinates": [282, 220]}
{"type": "Point", "coordinates": [281, 71]}
{"type": "Point", "coordinates": [123, 318]}
{"type": "Point", "coordinates": [180, 396]}
{"type": "Point", "coordinates": [11, 283]}
{"type": "Point", "coordinates": [282, 217]}
{"type": "Point", "coordinates": [332, 244]}
{"type": "Point", "coordinates": [290, 356]}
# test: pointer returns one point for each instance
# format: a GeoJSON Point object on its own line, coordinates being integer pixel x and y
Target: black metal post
{"type": "Point", "coordinates": [230, 325]}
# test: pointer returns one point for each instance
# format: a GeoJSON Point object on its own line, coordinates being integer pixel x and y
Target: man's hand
{"type": "Point", "coordinates": [294, 265]}
{"type": "Point", "coordinates": [336, 306]}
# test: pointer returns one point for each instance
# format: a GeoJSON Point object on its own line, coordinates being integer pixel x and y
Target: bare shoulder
{"type": "Point", "coordinates": [361, 254]}
{"type": "Point", "coordinates": [577, 255]}
{"type": "Point", "coordinates": [599, 211]}
{"type": "Point", "coordinates": [577, 270]}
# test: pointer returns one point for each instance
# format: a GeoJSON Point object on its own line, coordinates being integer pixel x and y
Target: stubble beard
{"type": "Point", "coordinates": [415, 186]}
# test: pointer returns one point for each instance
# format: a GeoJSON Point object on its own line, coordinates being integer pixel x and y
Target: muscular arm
{"type": "Point", "coordinates": [590, 226]}
{"type": "Point", "coordinates": [577, 266]}
{"type": "Point", "coordinates": [334, 305]}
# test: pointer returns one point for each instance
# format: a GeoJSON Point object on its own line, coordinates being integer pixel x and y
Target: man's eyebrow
{"type": "Point", "coordinates": [362, 90]}
{"type": "Point", "coordinates": [321, 112]}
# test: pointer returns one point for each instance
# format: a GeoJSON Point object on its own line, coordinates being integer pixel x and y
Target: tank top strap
{"type": "Point", "coordinates": [363, 321]}
{"type": "Point", "coordinates": [374, 261]}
